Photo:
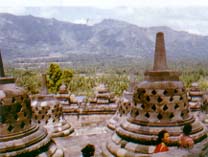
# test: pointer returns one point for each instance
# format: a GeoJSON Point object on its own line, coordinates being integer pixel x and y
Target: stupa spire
{"type": "Point", "coordinates": [160, 62]}
{"type": "Point", "coordinates": [1, 67]}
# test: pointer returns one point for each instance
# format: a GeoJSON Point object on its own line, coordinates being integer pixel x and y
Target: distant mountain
{"type": "Point", "coordinates": [28, 36]}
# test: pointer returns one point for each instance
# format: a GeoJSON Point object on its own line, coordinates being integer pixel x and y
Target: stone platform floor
{"type": "Point", "coordinates": [89, 129]}
{"type": "Point", "coordinates": [93, 130]}
{"type": "Point", "coordinates": [73, 144]}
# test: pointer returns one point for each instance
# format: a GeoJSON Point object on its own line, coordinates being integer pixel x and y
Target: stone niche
{"type": "Point", "coordinates": [159, 102]}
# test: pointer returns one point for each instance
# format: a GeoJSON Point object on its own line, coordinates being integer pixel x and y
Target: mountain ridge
{"type": "Point", "coordinates": [29, 36]}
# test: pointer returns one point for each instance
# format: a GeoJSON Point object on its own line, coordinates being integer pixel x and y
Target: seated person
{"type": "Point", "coordinates": [163, 138]}
{"type": "Point", "coordinates": [185, 141]}
{"type": "Point", "coordinates": [88, 150]}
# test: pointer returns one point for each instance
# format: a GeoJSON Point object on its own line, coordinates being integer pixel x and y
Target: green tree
{"type": "Point", "coordinates": [54, 75]}
{"type": "Point", "coordinates": [203, 83]}
{"type": "Point", "coordinates": [67, 75]}
{"type": "Point", "coordinates": [29, 80]}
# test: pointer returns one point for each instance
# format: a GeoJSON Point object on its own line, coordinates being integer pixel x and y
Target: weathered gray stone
{"type": "Point", "coordinates": [18, 135]}
{"type": "Point", "coordinates": [159, 102]}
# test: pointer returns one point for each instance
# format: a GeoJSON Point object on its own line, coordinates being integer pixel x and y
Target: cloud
{"type": "Point", "coordinates": [13, 10]}
{"type": "Point", "coordinates": [104, 4]}
{"type": "Point", "coordinates": [193, 19]}
{"type": "Point", "coordinates": [30, 3]}
{"type": "Point", "coordinates": [81, 21]}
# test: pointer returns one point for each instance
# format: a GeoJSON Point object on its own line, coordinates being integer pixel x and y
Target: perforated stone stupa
{"type": "Point", "coordinates": [124, 105]}
{"type": "Point", "coordinates": [102, 95]}
{"type": "Point", "coordinates": [18, 135]}
{"type": "Point", "coordinates": [103, 102]}
{"type": "Point", "coordinates": [64, 96]}
{"type": "Point", "coordinates": [159, 102]}
{"type": "Point", "coordinates": [195, 97]}
{"type": "Point", "coordinates": [47, 111]}
{"type": "Point", "coordinates": [63, 89]}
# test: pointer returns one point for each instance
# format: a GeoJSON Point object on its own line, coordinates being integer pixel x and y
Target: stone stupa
{"type": "Point", "coordinates": [102, 95]}
{"type": "Point", "coordinates": [19, 136]}
{"type": "Point", "coordinates": [124, 105]}
{"type": "Point", "coordinates": [195, 97]}
{"type": "Point", "coordinates": [102, 103]}
{"type": "Point", "coordinates": [47, 111]}
{"type": "Point", "coordinates": [203, 115]}
{"type": "Point", "coordinates": [159, 102]}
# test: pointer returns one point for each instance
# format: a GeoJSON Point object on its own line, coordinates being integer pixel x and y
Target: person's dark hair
{"type": "Point", "coordinates": [88, 150]}
{"type": "Point", "coordinates": [161, 136]}
{"type": "Point", "coordinates": [187, 129]}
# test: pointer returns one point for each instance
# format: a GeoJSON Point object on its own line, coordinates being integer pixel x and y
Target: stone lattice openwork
{"type": "Point", "coordinates": [18, 135]}
{"type": "Point", "coordinates": [159, 102]}
{"type": "Point", "coordinates": [124, 105]}
{"type": "Point", "coordinates": [204, 114]}
{"type": "Point", "coordinates": [47, 111]}
{"type": "Point", "coordinates": [195, 97]}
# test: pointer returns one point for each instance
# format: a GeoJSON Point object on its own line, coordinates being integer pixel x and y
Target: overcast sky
{"type": "Point", "coordinates": [187, 15]}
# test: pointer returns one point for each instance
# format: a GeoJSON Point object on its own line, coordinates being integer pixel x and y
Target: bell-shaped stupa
{"type": "Point", "coordinates": [195, 97]}
{"type": "Point", "coordinates": [47, 111]}
{"type": "Point", "coordinates": [159, 102]}
{"type": "Point", "coordinates": [124, 105]}
{"type": "Point", "coordinates": [103, 102]}
{"type": "Point", "coordinates": [102, 95]}
{"type": "Point", "coordinates": [18, 135]}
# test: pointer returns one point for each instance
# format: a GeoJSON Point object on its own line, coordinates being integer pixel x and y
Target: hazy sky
{"type": "Point", "coordinates": [187, 15]}
{"type": "Point", "coordinates": [105, 3]}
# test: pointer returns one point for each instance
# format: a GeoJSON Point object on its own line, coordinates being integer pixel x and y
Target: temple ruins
{"type": "Point", "coordinates": [19, 136]}
{"type": "Point", "coordinates": [195, 96]}
{"type": "Point", "coordinates": [39, 125]}
{"type": "Point", "coordinates": [124, 105]}
{"type": "Point", "coordinates": [159, 102]}
{"type": "Point", "coordinates": [48, 112]}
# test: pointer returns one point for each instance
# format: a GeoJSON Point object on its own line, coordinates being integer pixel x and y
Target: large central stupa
{"type": "Point", "coordinates": [159, 102]}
